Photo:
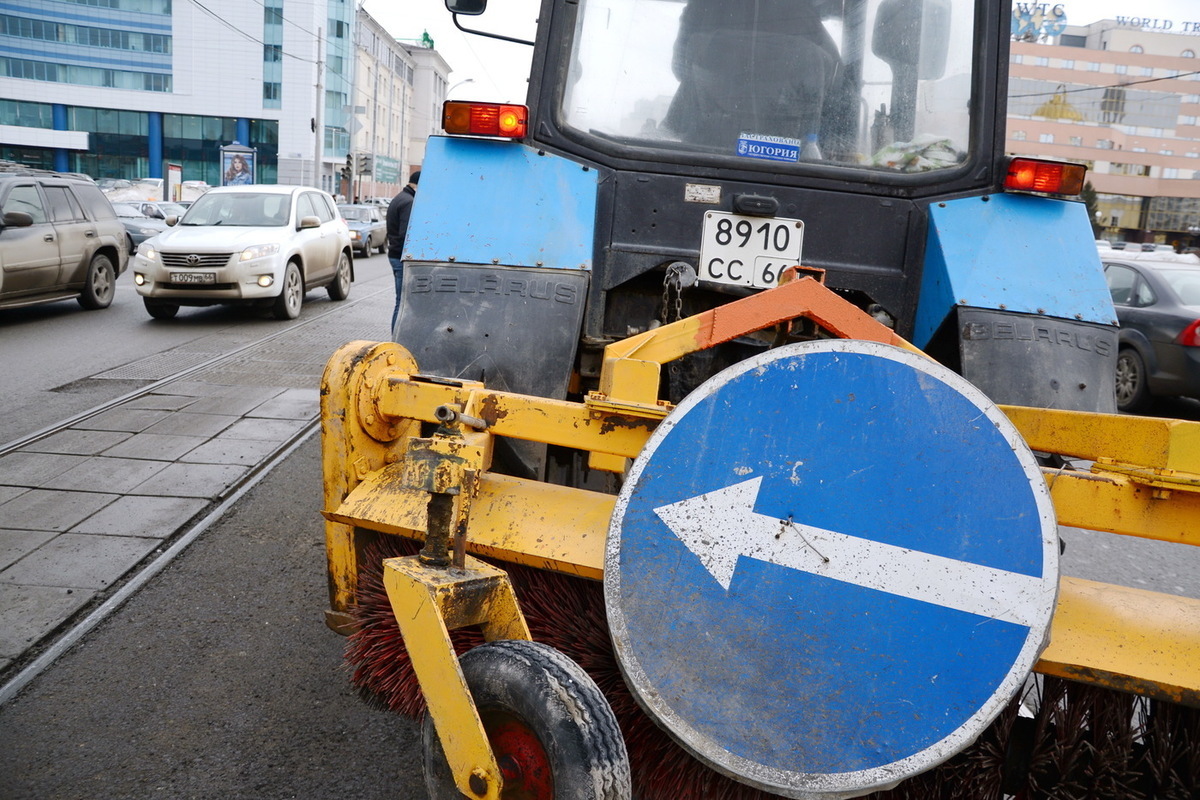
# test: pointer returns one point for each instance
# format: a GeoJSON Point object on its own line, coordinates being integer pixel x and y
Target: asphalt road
{"type": "Point", "coordinates": [218, 680]}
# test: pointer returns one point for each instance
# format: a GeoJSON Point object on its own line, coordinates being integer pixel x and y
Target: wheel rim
{"type": "Point", "coordinates": [523, 762]}
{"type": "Point", "coordinates": [1128, 379]}
{"type": "Point", "coordinates": [292, 289]}
{"type": "Point", "coordinates": [102, 283]}
{"type": "Point", "coordinates": [343, 276]}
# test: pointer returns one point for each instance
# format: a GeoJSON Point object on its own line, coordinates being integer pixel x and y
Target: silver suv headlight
{"type": "Point", "coordinates": [147, 252]}
{"type": "Point", "coordinates": [259, 251]}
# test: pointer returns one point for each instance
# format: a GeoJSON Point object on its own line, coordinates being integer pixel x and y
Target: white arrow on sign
{"type": "Point", "coordinates": [721, 526]}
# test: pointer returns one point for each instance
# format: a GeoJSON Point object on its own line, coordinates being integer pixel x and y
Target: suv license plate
{"type": "Point", "coordinates": [737, 250]}
{"type": "Point", "coordinates": [193, 277]}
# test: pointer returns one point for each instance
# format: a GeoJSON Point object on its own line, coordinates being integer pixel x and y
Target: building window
{"type": "Point", "coordinates": [1188, 54]}
{"type": "Point", "coordinates": [1018, 136]}
{"type": "Point", "coordinates": [1148, 72]}
{"type": "Point", "coordinates": [1120, 69]}
{"type": "Point", "coordinates": [1092, 66]}
{"type": "Point", "coordinates": [272, 95]}
{"type": "Point", "coordinates": [1170, 172]}
{"type": "Point", "coordinates": [1191, 98]}
{"type": "Point", "coordinates": [1068, 63]}
{"type": "Point", "coordinates": [1192, 155]}
{"type": "Point", "coordinates": [1137, 149]}
{"type": "Point", "coordinates": [1166, 152]}
{"type": "Point", "coordinates": [1046, 138]}
{"type": "Point", "coordinates": [1137, 48]}
{"type": "Point", "coordinates": [1018, 59]}
{"type": "Point", "coordinates": [1077, 141]}
{"type": "Point", "coordinates": [1041, 61]}
{"type": "Point", "coordinates": [1104, 144]}
{"type": "Point", "coordinates": [1187, 120]}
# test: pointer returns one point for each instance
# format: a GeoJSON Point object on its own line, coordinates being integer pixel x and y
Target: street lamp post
{"type": "Point", "coordinates": [455, 86]}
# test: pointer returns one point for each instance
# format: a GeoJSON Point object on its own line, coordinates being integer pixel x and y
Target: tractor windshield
{"type": "Point", "coordinates": [882, 84]}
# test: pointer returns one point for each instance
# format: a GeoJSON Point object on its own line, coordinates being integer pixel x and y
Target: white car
{"type": "Point", "coordinates": [262, 245]}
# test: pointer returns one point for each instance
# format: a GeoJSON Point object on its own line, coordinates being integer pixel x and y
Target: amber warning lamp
{"type": "Point", "coordinates": [484, 119]}
{"type": "Point", "coordinates": [1050, 177]}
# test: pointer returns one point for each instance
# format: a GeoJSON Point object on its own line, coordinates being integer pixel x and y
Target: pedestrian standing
{"type": "Point", "coordinates": [398, 213]}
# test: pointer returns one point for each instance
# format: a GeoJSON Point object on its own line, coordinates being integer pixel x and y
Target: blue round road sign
{"type": "Point", "coordinates": [830, 568]}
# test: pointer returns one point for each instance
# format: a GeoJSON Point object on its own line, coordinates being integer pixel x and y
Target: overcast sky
{"type": "Point", "coordinates": [497, 70]}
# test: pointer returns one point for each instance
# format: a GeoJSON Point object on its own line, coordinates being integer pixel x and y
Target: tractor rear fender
{"type": "Point", "coordinates": [1013, 297]}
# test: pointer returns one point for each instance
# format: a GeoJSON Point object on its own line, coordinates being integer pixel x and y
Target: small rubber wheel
{"type": "Point", "coordinates": [382, 246]}
{"type": "Point", "coordinates": [340, 288]}
{"type": "Point", "coordinates": [365, 252]}
{"type": "Point", "coordinates": [1132, 392]}
{"type": "Point", "coordinates": [553, 733]}
{"type": "Point", "coordinates": [291, 294]}
{"type": "Point", "coordinates": [159, 309]}
{"type": "Point", "coordinates": [100, 286]}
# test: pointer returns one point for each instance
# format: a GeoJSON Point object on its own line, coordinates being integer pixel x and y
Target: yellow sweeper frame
{"type": "Point", "coordinates": [382, 475]}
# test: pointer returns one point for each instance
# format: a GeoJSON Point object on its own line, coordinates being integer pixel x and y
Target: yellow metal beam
{"type": "Point", "coordinates": [1149, 442]}
{"type": "Point", "coordinates": [1116, 504]}
{"type": "Point", "coordinates": [535, 419]}
{"type": "Point", "coordinates": [1127, 639]}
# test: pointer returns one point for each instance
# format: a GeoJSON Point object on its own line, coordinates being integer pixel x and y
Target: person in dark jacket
{"type": "Point", "coordinates": [398, 213]}
{"type": "Point", "coordinates": [763, 67]}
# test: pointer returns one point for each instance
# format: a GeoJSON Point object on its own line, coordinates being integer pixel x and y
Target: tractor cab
{"type": "Point", "coordinates": [676, 155]}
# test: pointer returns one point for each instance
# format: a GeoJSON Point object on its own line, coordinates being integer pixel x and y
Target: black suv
{"type": "Point", "coordinates": [59, 238]}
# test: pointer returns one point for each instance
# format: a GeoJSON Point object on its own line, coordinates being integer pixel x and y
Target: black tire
{"type": "Point", "coordinates": [340, 288]}
{"type": "Point", "coordinates": [382, 246]}
{"type": "Point", "coordinates": [159, 309]}
{"type": "Point", "coordinates": [553, 733]}
{"type": "Point", "coordinates": [100, 285]}
{"type": "Point", "coordinates": [1132, 392]}
{"type": "Point", "coordinates": [291, 294]}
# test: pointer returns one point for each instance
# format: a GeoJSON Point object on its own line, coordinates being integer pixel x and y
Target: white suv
{"type": "Point", "coordinates": [261, 245]}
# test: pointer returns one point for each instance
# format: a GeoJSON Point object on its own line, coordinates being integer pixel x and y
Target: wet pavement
{"type": "Point", "coordinates": [119, 490]}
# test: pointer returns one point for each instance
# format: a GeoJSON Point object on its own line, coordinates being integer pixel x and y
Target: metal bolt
{"type": "Point", "coordinates": [1041, 311]}
{"type": "Point", "coordinates": [369, 419]}
{"type": "Point", "coordinates": [1079, 316]}
{"type": "Point", "coordinates": [478, 782]}
{"type": "Point", "coordinates": [391, 359]}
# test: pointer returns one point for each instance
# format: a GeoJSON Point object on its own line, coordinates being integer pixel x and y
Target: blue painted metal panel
{"type": "Point", "coordinates": [776, 658]}
{"type": "Point", "coordinates": [495, 202]}
{"type": "Point", "coordinates": [1019, 253]}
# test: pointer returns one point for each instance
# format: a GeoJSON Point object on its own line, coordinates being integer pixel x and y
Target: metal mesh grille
{"type": "Point", "coordinates": [194, 260]}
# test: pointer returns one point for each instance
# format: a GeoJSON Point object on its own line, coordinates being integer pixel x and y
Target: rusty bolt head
{"type": "Point", "coordinates": [478, 782]}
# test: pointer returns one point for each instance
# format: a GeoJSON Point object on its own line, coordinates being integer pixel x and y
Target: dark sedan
{"type": "Point", "coordinates": [1158, 306]}
{"type": "Point", "coordinates": [138, 226]}
{"type": "Point", "coordinates": [368, 228]}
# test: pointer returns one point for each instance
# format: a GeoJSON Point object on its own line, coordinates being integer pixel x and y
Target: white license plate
{"type": "Point", "coordinates": [748, 251]}
{"type": "Point", "coordinates": [193, 277]}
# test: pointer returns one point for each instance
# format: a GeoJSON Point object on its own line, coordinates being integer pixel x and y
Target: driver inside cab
{"type": "Point", "coordinates": [764, 67]}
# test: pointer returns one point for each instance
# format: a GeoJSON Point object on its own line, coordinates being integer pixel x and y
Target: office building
{"type": "Point", "coordinates": [125, 88]}
{"type": "Point", "coordinates": [1125, 100]}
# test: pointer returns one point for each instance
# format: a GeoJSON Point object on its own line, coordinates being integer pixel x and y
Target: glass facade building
{"type": "Point", "coordinates": [154, 83]}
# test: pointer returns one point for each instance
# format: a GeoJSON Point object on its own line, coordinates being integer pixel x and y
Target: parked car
{"type": "Point", "coordinates": [1158, 307]}
{"type": "Point", "coordinates": [261, 245]}
{"type": "Point", "coordinates": [160, 209]}
{"type": "Point", "coordinates": [368, 228]}
{"type": "Point", "coordinates": [59, 239]}
{"type": "Point", "coordinates": [138, 226]}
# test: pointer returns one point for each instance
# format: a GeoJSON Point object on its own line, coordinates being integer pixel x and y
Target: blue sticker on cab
{"type": "Point", "coordinates": [770, 148]}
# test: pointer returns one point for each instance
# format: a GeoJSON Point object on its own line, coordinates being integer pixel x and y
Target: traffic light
{"type": "Point", "coordinates": [365, 163]}
{"type": "Point", "coordinates": [348, 169]}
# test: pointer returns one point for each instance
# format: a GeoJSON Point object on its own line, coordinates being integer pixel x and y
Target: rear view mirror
{"type": "Point", "coordinates": [913, 34]}
{"type": "Point", "coordinates": [470, 8]}
{"type": "Point", "coordinates": [171, 221]}
{"type": "Point", "coordinates": [310, 222]}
